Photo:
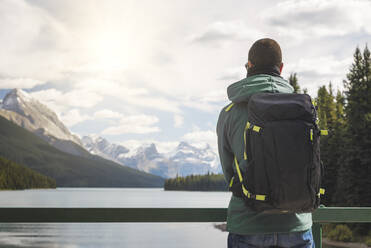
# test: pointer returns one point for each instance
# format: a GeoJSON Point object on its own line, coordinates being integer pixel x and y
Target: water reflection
{"type": "Point", "coordinates": [73, 235]}
{"type": "Point", "coordinates": [112, 235]}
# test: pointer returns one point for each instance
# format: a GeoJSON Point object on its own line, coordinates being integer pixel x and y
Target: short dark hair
{"type": "Point", "coordinates": [265, 52]}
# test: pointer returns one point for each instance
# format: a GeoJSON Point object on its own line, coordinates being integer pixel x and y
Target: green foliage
{"type": "Point", "coordinates": [368, 241]}
{"type": "Point", "coordinates": [331, 116]}
{"type": "Point", "coordinates": [341, 233]}
{"type": "Point", "coordinates": [23, 147]}
{"type": "Point", "coordinates": [326, 107]}
{"type": "Point", "coordinates": [293, 80]}
{"type": "Point", "coordinates": [354, 183]}
{"type": "Point", "coordinates": [209, 182]}
{"type": "Point", "coordinates": [346, 151]}
{"type": "Point", "coordinates": [327, 228]}
{"type": "Point", "coordinates": [15, 176]}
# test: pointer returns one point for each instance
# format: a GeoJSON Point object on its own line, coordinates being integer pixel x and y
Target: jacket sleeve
{"type": "Point", "coordinates": [225, 152]}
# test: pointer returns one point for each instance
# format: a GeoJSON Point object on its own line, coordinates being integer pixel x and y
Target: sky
{"type": "Point", "coordinates": [147, 71]}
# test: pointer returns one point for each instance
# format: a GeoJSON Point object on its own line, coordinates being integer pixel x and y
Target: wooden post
{"type": "Point", "coordinates": [317, 234]}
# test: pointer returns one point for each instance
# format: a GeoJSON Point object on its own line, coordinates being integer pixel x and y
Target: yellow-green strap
{"type": "Point", "coordinates": [238, 169]}
{"type": "Point", "coordinates": [249, 195]}
{"type": "Point", "coordinates": [244, 140]}
{"type": "Point", "coordinates": [321, 192]}
{"type": "Point", "coordinates": [311, 134]}
{"type": "Point", "coordinates": [244, 190]}
{"type": "Point", "coordinates": [324, 132]}
{"type": "Point", "coordinates": [260, 197]}
{"type": "Point", "coordinates": [256, 128]}
{"type": "Point", "coordinates": [231, 182]}
{"type": "Point", "coordinates": [229, 107]}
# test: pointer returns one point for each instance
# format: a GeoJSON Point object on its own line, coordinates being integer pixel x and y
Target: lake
{"type": "Point", "coordinates": [100, 235]}
{"type": "Point", "coordinates": [72, 235]}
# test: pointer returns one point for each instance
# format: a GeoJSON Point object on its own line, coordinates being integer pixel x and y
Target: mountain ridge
{"type": "Point", "coordinates": [184, 160]}
{"type": "Point", "coordinates": [27, 112]}
{"type": "Point", "coordinates": [24, 147]}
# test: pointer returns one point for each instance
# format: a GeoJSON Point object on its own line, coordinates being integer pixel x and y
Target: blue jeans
{"type": "Point", "coordinates": [293, 240]}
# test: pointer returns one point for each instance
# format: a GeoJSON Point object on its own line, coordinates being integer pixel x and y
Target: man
{"type": "Point", "coordinates": [246, 227]}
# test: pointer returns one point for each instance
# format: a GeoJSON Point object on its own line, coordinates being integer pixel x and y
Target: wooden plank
{"type": "Point", "coordinates": [342, 215]}
{"type": "Point", "coordinates": [317, 235]}
{"type": "Point", "coordinates": [84, 215]}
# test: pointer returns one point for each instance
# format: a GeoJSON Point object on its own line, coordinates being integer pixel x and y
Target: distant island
{"type": "Point", "coordinates": [15, 176]}
{"type": "Point", "coordinates": [208, 182]}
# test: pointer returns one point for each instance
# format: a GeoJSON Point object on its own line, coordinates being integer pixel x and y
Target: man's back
{"type": "Point", "coordinates": [248, 228]}
{"type": "Point", "coordinates": [230, 130]}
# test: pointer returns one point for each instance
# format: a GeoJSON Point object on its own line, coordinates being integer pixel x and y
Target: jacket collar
{"type": "Point", "coordinates": [242, 90]}
{"type": "Point", "coordinates": [272, 70]}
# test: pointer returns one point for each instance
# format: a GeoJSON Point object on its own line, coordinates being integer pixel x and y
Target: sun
{"type": "Point", "coordinates": [111, 51]}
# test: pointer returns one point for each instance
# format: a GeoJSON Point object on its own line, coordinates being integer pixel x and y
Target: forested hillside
{"type": "Point", "coordinates": [15, 176]}
{"type": "Point", "coordinates": [209, 182]}
{"type": "Point", "coordinates": [24, 147]}
{"type": "Point", "coordinates": [346, 152]}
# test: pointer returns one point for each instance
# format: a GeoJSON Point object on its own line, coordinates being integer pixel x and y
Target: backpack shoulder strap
{"type": "Point", "coordinates": [229, 107]}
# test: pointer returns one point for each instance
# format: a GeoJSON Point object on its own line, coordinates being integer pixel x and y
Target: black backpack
{"type": "Point", "coordinates": [281, 169]}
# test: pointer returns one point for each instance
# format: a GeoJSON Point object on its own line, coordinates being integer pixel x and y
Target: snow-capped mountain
{"type": "Point", "coordinates": [148, 159]}
{"type": "Point", "coordinates": [193, 160]}
{"type": "Point", "coordinates": [184, 160]}
{"type": "Point", "coordinates": [25, 111]}
{"type": "Point", "coordinates": [22, 109]}
{"type": "Point", "coordinates": [101, 147]}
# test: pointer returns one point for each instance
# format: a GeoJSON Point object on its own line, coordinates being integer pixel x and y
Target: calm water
{"type": "Point", "coordinates": [73, 235]}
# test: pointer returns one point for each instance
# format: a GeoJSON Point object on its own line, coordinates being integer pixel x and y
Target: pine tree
{"type": "Point", "coordinates": [356, 168]}
{"type": "Point", "coordinates": [327, 112]}
{"type": "Point", "coordinates": [293, 80]}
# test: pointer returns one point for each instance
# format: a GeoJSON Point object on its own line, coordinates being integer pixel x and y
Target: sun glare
{"type": "Point", "coordinates": [111, 52]}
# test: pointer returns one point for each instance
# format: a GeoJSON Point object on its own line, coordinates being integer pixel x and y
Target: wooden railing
{"type": "Point", "coordinates": [93, 215]}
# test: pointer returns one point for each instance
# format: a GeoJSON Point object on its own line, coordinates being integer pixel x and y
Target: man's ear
{"type": "Point", "coordinates": [281, 66]}
{"type": "Point", "coordinates": [249, 64]}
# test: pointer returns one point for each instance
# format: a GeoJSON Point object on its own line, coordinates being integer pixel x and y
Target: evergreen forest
{"type": "Point", "coordinates": [15, 176]}
{"type": "Point", "coordinates": [209, 182]}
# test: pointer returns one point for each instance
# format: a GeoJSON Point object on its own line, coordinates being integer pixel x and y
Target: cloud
{"type": "Point", "coordinates": [233, 74]}
{"type": "Point", "coordinates": [131, 94]}
{"type": "Point", "coordinates": [107, 114]}
{"type": "Point", "coordinates": [225, 31]}
{"type": "Point", "coordinates": [201, 138]}
{"type": "Point", "coordinates": [134, 124]}
{"type": "Point", "coordinates": [209, 102]}
{"type": "Point", "coordinates": [23, 83]}
{"type": "Point", "coordinates": [31, 40]}
{"type": "Point", "coordinates": [315, 19]}
{"type": "Point", "coordinates": [74, 98]}
{"type": "Point", "coordinates": [94, 61]}
{"type": "Point", "coordinates": [161, 57]}
{"type": "Point", "coordinates": [178, 120]}
{"type": "Point", "coordinates": [73, 117]}
{"type": "Point", "coordinates": [314, 72]}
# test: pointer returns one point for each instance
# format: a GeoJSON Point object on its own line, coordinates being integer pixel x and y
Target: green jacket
{"type": "Point", "coordinates": [230, 130]}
